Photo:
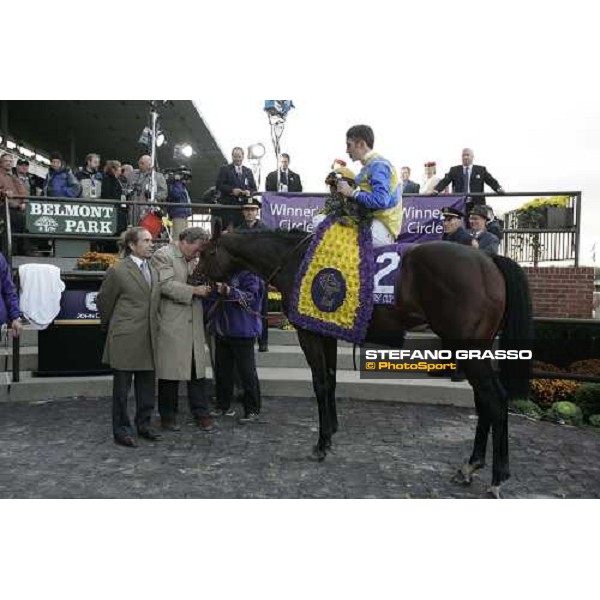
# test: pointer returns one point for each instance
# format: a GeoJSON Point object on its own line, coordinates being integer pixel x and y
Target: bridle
{"type": "Point", "coordinates": [268, 281]}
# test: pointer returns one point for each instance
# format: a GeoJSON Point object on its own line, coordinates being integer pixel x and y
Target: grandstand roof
{"type": "Point", "coordinates": [112, 128]}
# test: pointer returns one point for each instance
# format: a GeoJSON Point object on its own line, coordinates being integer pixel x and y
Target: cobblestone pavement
{"type": "Point", "coordinates": [64, 449]}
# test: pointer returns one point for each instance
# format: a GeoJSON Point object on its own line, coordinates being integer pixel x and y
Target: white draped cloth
{"type": "Point", "coordinates": [41, 290]}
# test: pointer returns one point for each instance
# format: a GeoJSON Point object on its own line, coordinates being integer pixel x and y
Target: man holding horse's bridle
{"type": "Point", "coordinates": [377, 186]}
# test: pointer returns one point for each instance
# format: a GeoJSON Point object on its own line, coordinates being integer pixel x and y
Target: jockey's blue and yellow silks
{"type": "Point", "coordinates": [333, 293]}
{"type": "Point", "coordinates": [380, 191]}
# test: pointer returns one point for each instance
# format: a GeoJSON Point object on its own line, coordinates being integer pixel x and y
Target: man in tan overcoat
{"type": "Point", "coordinates": [128, 303]}
{"type": "Point", "coordinates": [181, 353]}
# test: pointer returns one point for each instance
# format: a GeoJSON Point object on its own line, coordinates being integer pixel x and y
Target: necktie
{"type": "Point", "coordinates": [284, 178]}
{"type": "Point", "coordinates": [146, 273]}
{"type": "Point", "coordinates": [239, 172]}
{"type": "Point", "coordinates": [467, 187]}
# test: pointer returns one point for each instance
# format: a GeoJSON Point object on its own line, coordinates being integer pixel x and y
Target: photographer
{"type": "Point", "coordinates": [180, 198]}
{"type": "Point", "coordinates": [141, 188]}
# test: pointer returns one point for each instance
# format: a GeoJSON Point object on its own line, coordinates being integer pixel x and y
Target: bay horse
{"type": "Point", "coordinates": [462, 293]}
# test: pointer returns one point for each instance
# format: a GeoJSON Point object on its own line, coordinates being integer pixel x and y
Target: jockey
{"type": "Point", "coordinates": [376, 188]}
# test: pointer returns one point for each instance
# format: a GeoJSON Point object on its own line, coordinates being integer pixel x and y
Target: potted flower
{"type": "Point", "coordinates": [546, 213]}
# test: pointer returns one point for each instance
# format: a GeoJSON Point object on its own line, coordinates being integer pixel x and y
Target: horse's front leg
{"type": "Point", "coordinates": [314, 348]}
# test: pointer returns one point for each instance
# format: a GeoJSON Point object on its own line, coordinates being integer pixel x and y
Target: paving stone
{"type": "Point", "coordinates": [64, 449]}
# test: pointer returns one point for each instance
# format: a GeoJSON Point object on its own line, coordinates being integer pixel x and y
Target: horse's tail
{"type": "Point", "coordinates": [517, 327]}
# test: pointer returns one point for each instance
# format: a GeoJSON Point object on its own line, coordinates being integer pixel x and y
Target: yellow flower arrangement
{"type": "Point", "coordinates": [339, 250]}
{"type": "Point", "coordinates": [558, 201]}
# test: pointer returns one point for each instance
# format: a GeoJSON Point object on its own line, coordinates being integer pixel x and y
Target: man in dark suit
{"type": "Point", "coordinates": [453, 227]}
{"type": "Point", "coordinates": [408, 186]}
{"type": "Point", "coordinates": [481, 237]}
{"type": "Point", "coordinates": [128, 302]}
{"type": "Point", "coordinates": [288, 180]}
{"type": "Point", "coordinates": [236, 183]}
{"type": "Point", "coordinates": [467, 178]}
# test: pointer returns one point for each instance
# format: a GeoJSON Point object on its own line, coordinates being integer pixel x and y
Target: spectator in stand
{"type": "Point", "coordinates": [430, 179]}
{"type": "Point", "coordinates": [180, 198]}
{"type": "Point", "coordinates": [253, 223]}
{"type": "Point", "coordinates": [141, 186]}
{"type": "Point", "coordinates": [236, 183]}
{"type": "Point", "coordinates": [9, 301]}
{"type": "Point", "coordinates": [408, 186]}
{"type": "Point", "coordinates": [481, 237]}
{"type": "Point", "coordinates": [11, 187]}
{"type": "Point", "coordinates": [60, 181]}
{"type": "Point", "coordinates": [31, 182]}
{"type": "Point", "coordinates": [288, 180]}
{"type": "Point", "coordinates": [234, 320]}
{"type": "Point", "coordinates": [126, 174]}
{"type": "Point", "coordinates": [112, 189]}
{"type": "Point", "coordinates": [468, 178]}
{"type": "Point", "coordinates": [90, 177]}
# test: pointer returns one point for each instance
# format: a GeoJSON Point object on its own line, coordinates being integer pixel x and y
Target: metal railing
{"type": "Point", "coordinates": [538, 244]}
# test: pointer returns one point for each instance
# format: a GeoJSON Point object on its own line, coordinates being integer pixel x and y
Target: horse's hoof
{"type": "Point", "coordinates": [318, 454]}
{"type": "Point", "coordinates": [465, 474]}
{"type": "Point", "coordinates": [494, 492]}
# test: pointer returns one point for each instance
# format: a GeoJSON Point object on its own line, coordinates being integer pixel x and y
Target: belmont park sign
{"type": "Point", "coordinates": [71, 217]}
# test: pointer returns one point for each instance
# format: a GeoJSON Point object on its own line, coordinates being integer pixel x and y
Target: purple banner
{"type": "Point", "coordinates": [422, 220]}
{"type": "Point", "coordinates": [291, 211]}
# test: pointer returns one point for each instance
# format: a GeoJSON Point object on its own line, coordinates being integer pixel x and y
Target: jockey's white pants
{"type": "Point", "coordinates": [380, 233]}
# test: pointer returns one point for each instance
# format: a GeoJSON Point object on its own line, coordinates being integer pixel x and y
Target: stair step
{"type": "Point", "coordinates": [290, 382]}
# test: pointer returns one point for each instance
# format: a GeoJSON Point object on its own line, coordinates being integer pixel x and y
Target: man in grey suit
{"type": "Point", "coordinates": [128, 303]}
{"type": "Point", "coordinates": [482, 238]}
{"type": "Point", "coordinates": [181, 355]}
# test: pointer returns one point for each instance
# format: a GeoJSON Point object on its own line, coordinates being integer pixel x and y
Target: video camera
{"type": "Point", "coordinates": [178, 174]}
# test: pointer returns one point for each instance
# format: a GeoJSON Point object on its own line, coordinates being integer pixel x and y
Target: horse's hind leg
{"type": "Point", "coordinates": [477, 459]}
{"type": "Point", "coordinates": [499, 418]}
{"type": "Point", "coordinates": [492, 409]}
{"type": "Point", "coordinates": [473, 372]}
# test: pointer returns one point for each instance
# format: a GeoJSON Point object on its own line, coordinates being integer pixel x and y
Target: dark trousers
{"type": "Point", "coordinates": [168, 396]}
{"type": "Point", "coordinates": [263, 338]}
{"type": "Point", "coordinates": [233, 354]}
{"type": "Point", "coordinates": [144, 400]}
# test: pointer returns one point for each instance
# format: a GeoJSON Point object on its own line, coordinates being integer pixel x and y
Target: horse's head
{"type": "Point", "coordinates": [217, 262]}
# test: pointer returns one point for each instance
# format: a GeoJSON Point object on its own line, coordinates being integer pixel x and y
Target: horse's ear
{"type": "Point", "coordinates": [217, 229]}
